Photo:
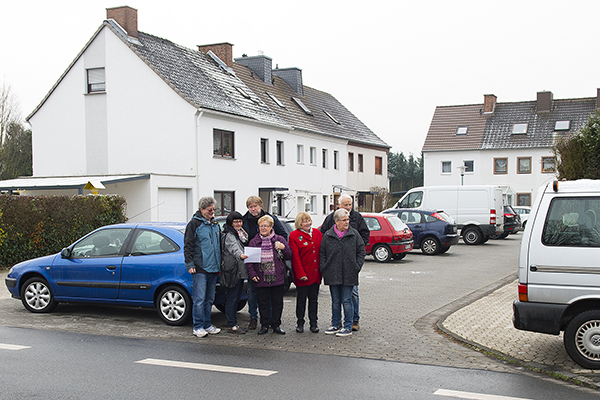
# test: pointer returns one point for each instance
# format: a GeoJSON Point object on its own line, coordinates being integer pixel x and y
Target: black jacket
{"type": "Point", "coordinates": [356, 221]}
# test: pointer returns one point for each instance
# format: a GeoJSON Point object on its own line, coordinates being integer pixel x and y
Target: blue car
{"type": "Point", "coordinates": [140, 265]}
{"type": "Point", "coordinates": [433, 231]}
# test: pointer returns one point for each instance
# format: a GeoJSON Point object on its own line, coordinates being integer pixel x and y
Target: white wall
{"type": "Point", "coordinates": [366, 179]}
{"type": "Point", "coordinates": [483, 173]}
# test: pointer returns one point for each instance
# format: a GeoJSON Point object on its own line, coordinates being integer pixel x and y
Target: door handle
{"type": "Point", "coordinates": [111, 267]}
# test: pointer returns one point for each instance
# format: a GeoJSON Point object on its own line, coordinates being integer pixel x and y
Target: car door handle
{"type": "Point", "coordinates": [111, 267]}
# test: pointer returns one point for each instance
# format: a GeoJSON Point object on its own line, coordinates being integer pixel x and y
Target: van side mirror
{"type": "Point", "coordinates": [65, 253]}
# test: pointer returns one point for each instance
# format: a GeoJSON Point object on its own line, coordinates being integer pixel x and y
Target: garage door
{"type": "Point", "coordinates": [172, 205]}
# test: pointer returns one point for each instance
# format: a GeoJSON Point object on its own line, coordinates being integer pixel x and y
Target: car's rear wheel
{"type": "Point", "coordinates": [472, 236]}
{"type": "Point", "coordinates": [174, 305]}
{"type": "Point", "coordinates": [382, 253]}
{"type": "Point", "coordinates": [430, 246]}
{"type": "Point", "coordinates": [582, 339]}
{"type": "Point", "coordinates": [37, 296]}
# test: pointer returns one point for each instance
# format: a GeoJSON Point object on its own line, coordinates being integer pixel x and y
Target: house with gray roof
{"type": "Point", "coordinates": [506, 144]}
{"type": "Point", "coordinates": [163, 125]}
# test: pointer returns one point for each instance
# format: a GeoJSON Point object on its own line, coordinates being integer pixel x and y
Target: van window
{"type": "Point", "coordinates": [573, 222]}
{"type": "Point", "coordinates": [413, 200]}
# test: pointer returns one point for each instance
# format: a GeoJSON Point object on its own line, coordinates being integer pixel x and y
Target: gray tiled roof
{"type": "Point", "coordinates": [540, 129]}
{"type": "Point", "coordinates": [349, 127]}
{"type": "Point", "coordinates": [200, 80]}
{"type": "Point", "coordinates": [494, 130]}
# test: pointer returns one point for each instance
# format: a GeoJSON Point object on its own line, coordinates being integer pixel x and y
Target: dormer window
{"type": "Point", "coordinates": [95, 80]}
{"type": "Point", "coordinates": [562, 125]}
{"type": "Point", "coordinates": [462, 130]}
{"type": "Point", "coordinates": [300, 104]}
{"type": "Point", "coordinates": [519, 129]}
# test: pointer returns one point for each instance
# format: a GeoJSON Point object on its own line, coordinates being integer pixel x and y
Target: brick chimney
{"type": "Point", "coordinates": [544, 101]}
{"type": "Point", "coordinates": [261, 65]}
{"type": "Point", "coordinates": [126, 17]}
{"type": "Point", "coordinates": [222, 50]}
{"type": "Point", "coordinates": [489, 103]}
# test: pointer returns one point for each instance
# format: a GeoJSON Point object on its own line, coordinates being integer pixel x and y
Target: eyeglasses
{"type": "Point", "coordinates": [264, 226]}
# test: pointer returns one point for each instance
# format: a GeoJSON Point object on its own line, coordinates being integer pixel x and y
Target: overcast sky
{"type": "Point", "coordinates": [389, 62]}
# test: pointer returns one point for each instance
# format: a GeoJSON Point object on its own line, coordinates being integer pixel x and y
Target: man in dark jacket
{"type": "Point", "coordinates": [255, 212]}
{"type": "Point", "coordinates": [202, 252]}
{"type": "Point", "coordinates": [357, 222]}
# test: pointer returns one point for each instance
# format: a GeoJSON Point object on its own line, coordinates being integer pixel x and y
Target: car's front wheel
{"type": "Point", "coordinates": [582, 339]}
{"type": "Point", "coordinates": [430, 246]}
{"type": "Point", "coordinates": [382, 253]}
{"type": "Point", "coordinates": [37, 296]}
{"type": "Point", "coordinates": [174, 305]}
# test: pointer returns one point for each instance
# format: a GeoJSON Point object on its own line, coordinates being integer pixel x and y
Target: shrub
{"type": "Point", "coordinates": [33, 226]}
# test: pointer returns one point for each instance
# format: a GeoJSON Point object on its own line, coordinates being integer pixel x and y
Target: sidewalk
{"type": "Point", "coordinates": [487, 324]}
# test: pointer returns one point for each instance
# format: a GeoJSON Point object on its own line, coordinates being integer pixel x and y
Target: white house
{"type": "Point", "coordinates": [163, 125]}
{"type": "Point", "coordinates": [506, 144]}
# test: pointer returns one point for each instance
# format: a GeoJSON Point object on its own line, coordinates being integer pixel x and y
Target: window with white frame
{"type": "Point", "coordinates": [310, 203]}
{"type": "Point", "coordinates": [300, 154]}
{"type": "Point", "coordinates": [313, 156]}
{"type": "Point", "coordinates": [350, 161]}
{"type": "Point", "coordinates": [446, 167]}
{"type": "Point", "coordinates": [519, 129]}
{"type": "Point", "coordinates": [264, 150]}
{"type": "Point", "coordinates": [336, 159]}
{"type": "Point", "coordinates": [95, 80]}
{"type": "Point", "coordinates": [222, 143]}
{"type": "Point", "coordinates": [324, 158]}
{"type": "Point", "coordinates": [279, 150]}
{"type": "Point", "coordinates": [501, 165]}
{"type": "Point", "coordinates": [360, 163]}
{"type": "Point", "coordinates": [469, 165]}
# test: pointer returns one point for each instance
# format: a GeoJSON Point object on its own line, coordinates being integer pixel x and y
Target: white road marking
{"type": "Point", "coordinates": [474, 396]}
{"type": "Point", "coordinates": [4, 346]}
{"type": "Point", "coordinates": [207, 367]}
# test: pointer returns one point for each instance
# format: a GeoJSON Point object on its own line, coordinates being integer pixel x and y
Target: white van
{"type": "Point", "coordinates": [559, 268]}
{"type": "Point", "coordinates": [477, 209]}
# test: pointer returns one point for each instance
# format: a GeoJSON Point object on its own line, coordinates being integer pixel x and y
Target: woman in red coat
{"type": "Point", "coordinates": [306, 244]}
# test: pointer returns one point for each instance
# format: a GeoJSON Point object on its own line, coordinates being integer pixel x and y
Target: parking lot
{"type": "Point", "coordinates": [400, 303]}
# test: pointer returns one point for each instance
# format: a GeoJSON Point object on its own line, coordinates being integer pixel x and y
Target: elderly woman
{"type": "Point", "coordinates": [342, 256]}
{"type": "Point", "coordinates": [233, 270]}
{"type": "Point", "coordinates": [306, 244]}
{"type": "Point", "coordinates": [268, 275]}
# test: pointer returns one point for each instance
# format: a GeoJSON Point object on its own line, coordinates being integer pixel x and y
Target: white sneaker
{"type": "Point", "coordinates": [200, 332]}
{"type": "Point", "coordinates": [344, 332]}
{"type": "Point", "coordinates": [213, 330]}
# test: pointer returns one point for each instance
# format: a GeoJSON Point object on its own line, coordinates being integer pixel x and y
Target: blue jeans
{"type": "Point", "coordinates": [341, 297]}
{"type": "Point", "coordinates": [252, 301]}
{"type": "Point", "coordinates": [203, 293]}
{"type": "Point", "coordinates": [355, 303]}
{"type": "Point", "coordinates": [233, 298]}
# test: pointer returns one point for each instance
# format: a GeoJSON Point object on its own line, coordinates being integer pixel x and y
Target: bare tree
{"type": "Point", "coordinates": [9, 110]}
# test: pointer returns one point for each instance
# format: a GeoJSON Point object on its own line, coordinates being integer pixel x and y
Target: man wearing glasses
{"type": "Point", "coordinates": [202, 251]}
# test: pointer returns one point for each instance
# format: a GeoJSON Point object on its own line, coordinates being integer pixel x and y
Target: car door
{"type": "Point", "coordinates": [152, 259]}
{"type": "Point", "coordinates": [93, 270]}
{"type": "Point", "coordinates": [563, 262]}
{"type": "Point", "coordinates": [375, 232]}
{"type": "Point", "coordinates": [415, 223]}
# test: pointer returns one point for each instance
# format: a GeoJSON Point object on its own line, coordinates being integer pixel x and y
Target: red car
{"type": "Point", "coordinates": [390, 237]}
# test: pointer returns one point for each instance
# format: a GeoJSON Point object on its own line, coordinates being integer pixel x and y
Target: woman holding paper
{"type": "Point", "coordinates": [233, 270]}
{"type": "Point", "coordinates": [267, 276]}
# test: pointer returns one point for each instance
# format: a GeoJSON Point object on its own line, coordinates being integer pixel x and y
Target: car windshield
{"type": "Point", "coordinates": [397, 223]}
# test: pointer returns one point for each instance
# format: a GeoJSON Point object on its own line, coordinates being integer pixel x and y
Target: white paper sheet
{"type": "Point", "coordinates": [253, 254]}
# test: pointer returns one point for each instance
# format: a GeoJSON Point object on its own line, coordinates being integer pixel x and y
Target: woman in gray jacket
{"type": "Point", "coordinates": [233, 270]}
{"type": "Point", "coordinates": [342, 256]}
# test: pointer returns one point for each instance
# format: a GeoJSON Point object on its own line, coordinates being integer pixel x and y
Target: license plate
{"type": "Point", "coordinates": [408, 246]}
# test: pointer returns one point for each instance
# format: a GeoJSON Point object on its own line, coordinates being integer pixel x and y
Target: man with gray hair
{"type": "Point", "coordinates": [202, 252]}
{"type": "Point", "coordinates": [345, 201]}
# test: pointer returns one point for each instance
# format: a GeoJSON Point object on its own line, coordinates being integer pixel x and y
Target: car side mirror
{"type": "Point", "coordinates": [65, 253]}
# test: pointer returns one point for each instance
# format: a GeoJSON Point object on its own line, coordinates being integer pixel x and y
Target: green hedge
{"type": "Point", "coordinates": [33, 226]}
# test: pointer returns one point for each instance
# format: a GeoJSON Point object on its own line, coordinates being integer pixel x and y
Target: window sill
{"type": "Point", "coordinates": [223, 157]}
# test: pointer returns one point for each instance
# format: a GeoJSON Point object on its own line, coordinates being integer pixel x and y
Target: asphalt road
{"type": "Point", "coordinates": [62, 365]}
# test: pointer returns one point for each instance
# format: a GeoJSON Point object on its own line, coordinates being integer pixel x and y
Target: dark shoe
{"type": "Point", "coordinates": [300, 329]}
{"type": "Point", "coordinates": [263, 330]}
{"type": "Point", "coordinates": [279, 331]}
{"type": "Point", "coordinates": [355, 326]}
{"type": "Point", "coordinates": [253, 323]}
{"type": "Point", "coordinates": [236, 329]}
{"type": "Point", "coordinates": [314, 329]}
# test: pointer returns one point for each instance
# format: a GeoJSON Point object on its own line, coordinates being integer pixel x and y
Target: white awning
{"type": "Point", "coordinates": [65, 182]}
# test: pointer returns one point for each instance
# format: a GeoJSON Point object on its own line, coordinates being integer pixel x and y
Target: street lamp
{"type": "Point", "coordinates": [462, 173]}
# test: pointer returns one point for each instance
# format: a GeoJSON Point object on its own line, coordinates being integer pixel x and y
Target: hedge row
{"type": "Point", "coordinates": [33, 226]}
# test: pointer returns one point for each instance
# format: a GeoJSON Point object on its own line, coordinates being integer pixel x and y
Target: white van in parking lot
{"type": "Point", "coordinates": [477, 209]}
{"type": "Point", "coordinates": [559, 268]}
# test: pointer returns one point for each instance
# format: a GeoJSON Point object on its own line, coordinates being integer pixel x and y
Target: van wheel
{"type": "Point", "coordinates": [430, 246]}
{"type": "Point", "coordinates": [472, 236]}
{"type": "Point", "coordinates": [582, 339]}
{"type": "Point", "coordinates": [382, 253]}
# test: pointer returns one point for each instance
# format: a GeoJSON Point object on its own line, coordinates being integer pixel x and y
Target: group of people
{"type": "Point", "coordinates": [333, 254]}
